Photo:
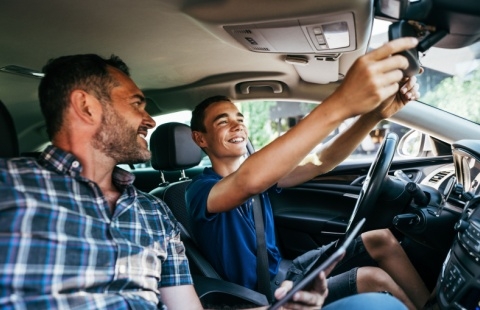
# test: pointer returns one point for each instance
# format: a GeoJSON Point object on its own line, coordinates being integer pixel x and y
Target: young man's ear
{"type": "Point", "coordinates": [198, 138]}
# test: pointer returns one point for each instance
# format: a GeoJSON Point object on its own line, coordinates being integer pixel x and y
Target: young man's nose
{"type": "Point", "coordinates": [238, 127]}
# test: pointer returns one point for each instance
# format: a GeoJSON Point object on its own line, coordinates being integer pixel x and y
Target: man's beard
{"type": "Point", "coordinates": [118, 140]}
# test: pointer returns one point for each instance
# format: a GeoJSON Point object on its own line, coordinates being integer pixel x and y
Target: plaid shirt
{"type": "Point", "coordinates": [60, 246]}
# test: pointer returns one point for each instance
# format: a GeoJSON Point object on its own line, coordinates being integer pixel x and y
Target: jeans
{"type": "Point", "coordinates": [367, 301]}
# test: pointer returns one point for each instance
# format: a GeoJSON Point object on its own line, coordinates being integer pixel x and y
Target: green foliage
{"type": "Point", "coordinates": [460, 96]}
{"type": "Point", "coordinates": [257, 120]}
{"type": "Point", "coordinates": [261, 128]}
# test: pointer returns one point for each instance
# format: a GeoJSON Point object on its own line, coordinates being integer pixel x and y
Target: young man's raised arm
{"type": "Point", "coordinates": [339, 148]}
{"type": "Point", "coordinates": [372, 79]}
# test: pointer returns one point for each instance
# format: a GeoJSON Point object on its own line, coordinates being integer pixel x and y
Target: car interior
{"type": "Point", "coordinates": [422, 183]}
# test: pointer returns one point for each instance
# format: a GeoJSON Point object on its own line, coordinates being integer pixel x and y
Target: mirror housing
{"type": "Point", "coordinates": [412, 144]}
{"type": "Point", "coordinates": [417, 10]}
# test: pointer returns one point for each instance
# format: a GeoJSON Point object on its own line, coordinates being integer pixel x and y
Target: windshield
{"type": "Point", "coordinates": [451, 80]}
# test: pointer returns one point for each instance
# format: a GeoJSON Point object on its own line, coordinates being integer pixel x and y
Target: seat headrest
{"type": "Point", "coordinates": [8, 134]}
{"type": "Point", "coordinates": [173, 148]}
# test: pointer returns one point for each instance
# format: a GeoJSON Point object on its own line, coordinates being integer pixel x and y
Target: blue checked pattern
{"type": "Point", "coordinates": [61, 248]}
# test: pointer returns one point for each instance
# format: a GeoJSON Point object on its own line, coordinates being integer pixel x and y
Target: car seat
{"type": "Point", "coordinates": [8, 134]}
{"type": "Point", "coordinates": [173, 149]}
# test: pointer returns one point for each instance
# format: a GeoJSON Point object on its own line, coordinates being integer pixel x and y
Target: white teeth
{"type": "Point", "coordinates": [142, 135]}
{"type": "Point", "coordinates": [237, 140]}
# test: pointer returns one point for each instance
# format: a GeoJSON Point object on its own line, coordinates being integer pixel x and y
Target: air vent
{"type": "Point", "coordinates": [243, 31]}
{"type": "Point", "coordinates": [438, 177]}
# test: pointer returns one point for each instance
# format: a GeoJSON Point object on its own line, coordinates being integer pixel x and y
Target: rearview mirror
{"type": "Point", "coordinates": [403, 9]}
{"type": "Point", "coordinates": [392, 8]}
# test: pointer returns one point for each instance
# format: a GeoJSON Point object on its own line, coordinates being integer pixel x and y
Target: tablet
{"type": "Point", "coordinates": [332, 259]}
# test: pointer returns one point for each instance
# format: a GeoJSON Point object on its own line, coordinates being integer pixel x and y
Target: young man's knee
{"type": "Point", "coordinates": [373, 279]}
{"type": "Point", "coordinates": [379, 240]}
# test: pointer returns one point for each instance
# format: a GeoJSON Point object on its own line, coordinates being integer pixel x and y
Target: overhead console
{"type": "Point", "coordinates": [319, 34]}
{"type": "Point", "coordinates": [311, 44]}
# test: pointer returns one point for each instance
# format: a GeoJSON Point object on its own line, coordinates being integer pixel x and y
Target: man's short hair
{"type": "Point", "coordinates": [198, 114]}
{"type": "Point", "coordinates": [88, 72]}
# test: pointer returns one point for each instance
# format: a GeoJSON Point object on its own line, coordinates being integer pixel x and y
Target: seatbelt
{"type": "Point", "coordinates": [263, 274]}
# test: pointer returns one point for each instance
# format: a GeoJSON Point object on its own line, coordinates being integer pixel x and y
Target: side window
{"type": "Point", "coordinates": [267, 120]}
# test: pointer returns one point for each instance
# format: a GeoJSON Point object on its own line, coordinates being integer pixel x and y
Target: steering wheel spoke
{"type": "Point", "coordinates": [372, 186]}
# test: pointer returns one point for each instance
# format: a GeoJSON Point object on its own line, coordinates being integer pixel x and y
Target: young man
{"type": "Point", "coordinates": [74, 231]}
{"type": "Point", "coordinates": [219, 200]}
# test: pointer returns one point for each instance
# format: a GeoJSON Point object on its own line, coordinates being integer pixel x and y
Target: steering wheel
{"type": "Point", "coordinates": [372, 186]}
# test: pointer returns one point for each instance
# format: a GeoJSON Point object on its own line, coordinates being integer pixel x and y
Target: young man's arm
{"type": "Point", "coordinates": [372, 79]}
{"type": "Point", "coordinates": [338, 149]}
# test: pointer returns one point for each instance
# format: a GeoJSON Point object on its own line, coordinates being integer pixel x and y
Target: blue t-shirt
{"type": "Point", "coordinates": [228, 239]}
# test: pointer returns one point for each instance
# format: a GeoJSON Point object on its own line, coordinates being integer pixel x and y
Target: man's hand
{"type": "Point", "coordinates": [311, 299]}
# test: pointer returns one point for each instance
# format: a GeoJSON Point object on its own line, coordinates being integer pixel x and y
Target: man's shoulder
{"type": "Point", "coordinates": [148, 197]}
{"type": "Point", "coordinates": [16, 163]}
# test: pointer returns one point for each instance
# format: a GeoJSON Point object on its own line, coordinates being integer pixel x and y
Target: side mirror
{"type": "Point", "coordinates": [414, 144]}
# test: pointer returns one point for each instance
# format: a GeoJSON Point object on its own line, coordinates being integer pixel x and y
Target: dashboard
{"type": "Point", "coordinates": [467, 165]}
{"type": "Point", "coordinates": [458, 285]}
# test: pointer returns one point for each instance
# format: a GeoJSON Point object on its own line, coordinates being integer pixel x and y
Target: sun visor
{"type": "Point", "coordinates": [313, 35]}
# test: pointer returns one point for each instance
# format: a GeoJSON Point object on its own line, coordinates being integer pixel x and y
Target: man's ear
{"type": "Point", "coordinates": [85, 106]}
{"type": "Point", "coordinates": [199, 139]}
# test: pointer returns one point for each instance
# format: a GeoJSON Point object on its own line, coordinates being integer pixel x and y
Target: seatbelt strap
{"type": "Point", "coordinates": [263, 274]}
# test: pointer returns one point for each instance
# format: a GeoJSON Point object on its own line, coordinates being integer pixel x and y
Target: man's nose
{"type": "Point", "coordinates": [149, 121]}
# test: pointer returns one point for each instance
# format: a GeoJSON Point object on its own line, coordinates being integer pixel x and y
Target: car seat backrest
{"type": "Point", "coordinates": [173, 149]}
{"type": "Point", "coordinates": [8, 134]}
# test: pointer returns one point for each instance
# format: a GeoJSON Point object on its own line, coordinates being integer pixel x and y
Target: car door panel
{"type": "Point", "coordinates": [317, 212]}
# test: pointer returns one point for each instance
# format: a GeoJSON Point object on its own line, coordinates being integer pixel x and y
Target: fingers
{"type": "Point", "coordinates": [386, 60]}
{"type": "Point", "coordinates": [393, 47]}
{"type": "Point", "coordinates": [374, 78]}
{"type": "Point", "coordinates": [409, 89]}
{"type": "Point", "coordinates": [312, 299]}
{"type": "Point", "coordinates": [283, 289]}
{"type": "Point", "coordinates": [320, 284]}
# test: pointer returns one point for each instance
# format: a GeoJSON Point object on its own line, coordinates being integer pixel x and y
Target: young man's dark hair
{"type": "Point", "coordinates": [198, 114]}
{"type": "Point", "coordinates": [87, 72]}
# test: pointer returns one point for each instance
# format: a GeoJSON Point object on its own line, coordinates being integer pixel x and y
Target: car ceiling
{"type": "Point", "coordinates": [178, 51]}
